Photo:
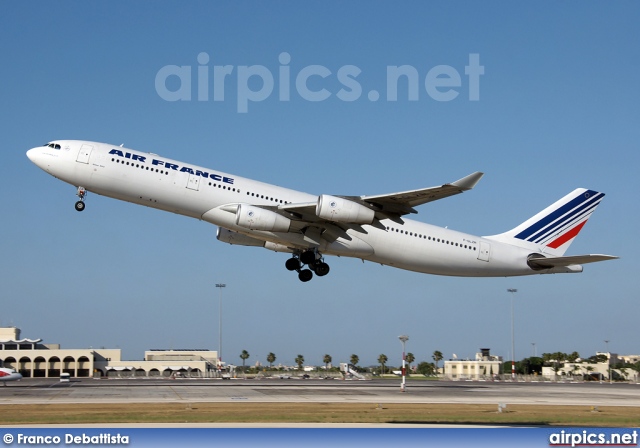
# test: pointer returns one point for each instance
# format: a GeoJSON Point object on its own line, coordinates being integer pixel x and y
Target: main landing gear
{"type": "Point", "coordinates": [314, 261]}
{"type": "Point", "coordinates": [81, 194]}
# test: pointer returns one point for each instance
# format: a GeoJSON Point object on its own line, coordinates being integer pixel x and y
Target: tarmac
{"type": "Point", "coordinates": [147, 390]}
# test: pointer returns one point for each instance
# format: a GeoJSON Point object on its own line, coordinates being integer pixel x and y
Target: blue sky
{"type": "Point", "coordinates": [558, 109]}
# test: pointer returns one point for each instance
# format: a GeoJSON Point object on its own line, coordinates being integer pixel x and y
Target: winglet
{"type": "Point", "coordinates": [468, 182]}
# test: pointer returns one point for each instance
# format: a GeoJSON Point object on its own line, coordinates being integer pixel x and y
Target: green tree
{"type": "Point", "coordinates": [437, 356]}
{"type": "Point", "coordinates": [382, 360]}
{"type": "Point", "coordinates": [589, 369]}
{"type": "Point", "coordinates": [299, 360]}
{"type": "Point", "coordinates": [244, 356]}
{"type": "Point", "coordinates": [506, 367]}
{"type": "Point", "coordinates": [327, 360]}
{"type": "Point", "coordinates": [271, 358]}
{"type": "Point", "coordinates": [354, 359]}
{"type": "Point", "coordinates": [573, 357]}
{"type": "Point", "coordinates": [409, 358]}
{"type": "Point", "coordinates": [575, 370]}
{"type": "Point", "coordinates": [558, 361]}
{"type": "Point", "coordinates": [425, 368]}
{"type": "Point", "coordinates": [597, 359]}
{"type": "Point", "coordinates": [535, 365]}
{"type": "Point", "coordinates": [623, 372]}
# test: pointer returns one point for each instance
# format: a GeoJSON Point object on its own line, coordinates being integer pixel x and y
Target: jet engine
{"type": "Point", "coordinates": [337, 209]}
{"type": "Point", "coordinates": [256, 218]}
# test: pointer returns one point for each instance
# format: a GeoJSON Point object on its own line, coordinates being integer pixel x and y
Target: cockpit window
{"type": "Point", "coordinates": [53, 145]}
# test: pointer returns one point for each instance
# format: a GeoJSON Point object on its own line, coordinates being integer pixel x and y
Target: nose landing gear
{"type": "Point", "coordinates": [81, 194]}
{"type": "Point", "coordinates": [314, 261]}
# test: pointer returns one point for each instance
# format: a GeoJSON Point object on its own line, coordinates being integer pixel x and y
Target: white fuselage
{"type": "Point", "coordinates": [9, 375]}
{"type": "Point", "coordinates": [155, 181]}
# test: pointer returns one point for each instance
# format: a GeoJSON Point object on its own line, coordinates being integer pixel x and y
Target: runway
{"type": "Point", "coordinates": [50, 391]}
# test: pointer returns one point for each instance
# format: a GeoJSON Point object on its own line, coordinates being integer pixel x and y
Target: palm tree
{"type": "Point", "coordinates": [271, 358]}
{"type": "Point", "coordinates": [299, 360]}
{"type": "Point", "coordinates": [327, 360]}
{"type": "Point", "coordinates": [244, 356]}
{"type": "Point", "coordinates": [382, 360]}
{"type": "Point", "coordinates": [354, 359]}
{"type": "Point", "coordinates": [559, 358]}
{"type": "Point", "coordinates": [589, 369]}
{"type": "Point", "coordinates": [575, 369]}
{"type": "Point", "coordinates": [409, 358]}
{"type": "Point", "coordinates": [437, 356]}
{"type": "Point", "coordinates": [623, 372]}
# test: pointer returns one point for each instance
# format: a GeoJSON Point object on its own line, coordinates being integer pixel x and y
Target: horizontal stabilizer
{"type": "Point", "coordinates": [544, 263]}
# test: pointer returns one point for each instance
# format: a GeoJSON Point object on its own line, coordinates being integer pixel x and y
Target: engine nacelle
{"type": "Point", "coordinates": [337, 209]}
{"type": "Point", "coordinates": [231, 237]}
{"type": "Point", "coordinates": [256, 218]}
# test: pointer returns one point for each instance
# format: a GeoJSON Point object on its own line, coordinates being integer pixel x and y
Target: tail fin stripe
{"type": "Point", "coordinates": [561, 215]}
{"type": "Point", "coordinates": [567, 221]}
{"type": "Point", "coordinates": [561, 229]}
{"type": "Point", "coordinates": [567, 236]}
{"type": "Point", "coordinates": [586, 196]}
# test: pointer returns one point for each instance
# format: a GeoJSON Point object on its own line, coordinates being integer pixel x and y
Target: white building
{"type": "Point", "coordinates": [484, 366]}
{"type": "Point", "coordinates": [36, 360]}
{"type": "Point", "coordinates": [600, 370]}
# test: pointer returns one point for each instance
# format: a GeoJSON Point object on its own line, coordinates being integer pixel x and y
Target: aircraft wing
{"type": "Point", "coordinates": [569, 261]}
{"type": "Point", "coordinates": [397, 203]}
{"type": "Point", "coordinates": [404, 202]}
{"type": "Point", "coordinates": [306, 219]}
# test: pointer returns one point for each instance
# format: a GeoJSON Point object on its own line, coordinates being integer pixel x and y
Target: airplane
{"type": "Point", "coordinates": [9, 375]}
{"type": "Point", "coordinates": [308, 227]}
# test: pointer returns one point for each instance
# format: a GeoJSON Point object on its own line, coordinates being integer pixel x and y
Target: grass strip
{"type": "Point", "coordinates": [283, 413]}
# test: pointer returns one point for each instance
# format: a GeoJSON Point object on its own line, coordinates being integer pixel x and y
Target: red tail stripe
{"type": "Point", "coordinates": [567, 236]}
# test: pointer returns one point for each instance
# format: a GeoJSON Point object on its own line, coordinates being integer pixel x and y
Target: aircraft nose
{"type": "Point", "coordinates": [33, 154]}
{"type": "Point", "coordinates": [38, 158]}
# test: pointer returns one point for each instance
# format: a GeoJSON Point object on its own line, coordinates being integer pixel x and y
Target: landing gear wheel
{"type": "Point", "coordinates": [321, 269]}
{"type": "Point", "coordinates": [308, 257]}
{"type": "Point", "coordinates": [79, 206]}
{"type": "Point", "coordinates": [305, 275]}
{"type": "Point", "coordinates": [293, 264]}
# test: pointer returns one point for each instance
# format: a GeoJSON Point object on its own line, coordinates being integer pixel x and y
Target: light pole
{"type": "Point", "coordinates": [513, 354]}
{"type": "Point", "coordinates": [535, 353]}
{"type": "Point", "coordinates": [220, 286]}
{"type": "Point", "coordinates": [608, 359]}
{"type": "Point", "coordinates": [404, 338]}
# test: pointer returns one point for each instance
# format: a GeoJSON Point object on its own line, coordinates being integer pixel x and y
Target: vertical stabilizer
{"type": "Point", "coordinates": [553, 229]}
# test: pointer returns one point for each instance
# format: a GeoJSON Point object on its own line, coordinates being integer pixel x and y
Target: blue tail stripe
{"type": "Point", "coordinates": [556, 214]}
{"type": "Point", "coordinates": [576, 218]}
{"type": "Point", "coordinates": [592, 203]}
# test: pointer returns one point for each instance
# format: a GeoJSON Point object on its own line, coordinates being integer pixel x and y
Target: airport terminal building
{"type": "Point", "coordinates": [33, 359]}
{"type": "Point", "coordinates": [484, 366]}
